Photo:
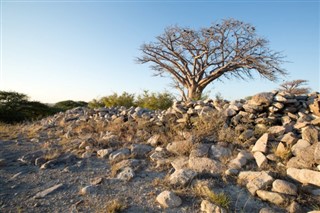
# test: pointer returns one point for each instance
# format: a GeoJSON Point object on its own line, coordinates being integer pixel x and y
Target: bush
{"type": "Point", "coordinates": [69, 104]}
{"type": "Point", "coordinates": [125, 99]}
{"type": "Point", "coordinates": [147, 100]}
{"type": "Point", "coordinates": [155, 101]}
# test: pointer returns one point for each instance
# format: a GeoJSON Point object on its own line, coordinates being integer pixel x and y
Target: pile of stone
{"type": "Point", "coordinates": [279, 164]}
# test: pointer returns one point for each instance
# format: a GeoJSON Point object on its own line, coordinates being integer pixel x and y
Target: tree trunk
{"type": "Point", "coordinates": [194, 93]}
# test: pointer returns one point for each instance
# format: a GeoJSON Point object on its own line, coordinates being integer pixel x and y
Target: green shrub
{"type": "Point", "coordinates": [125, 99]}
{"type": "Point", "coordinates": [155, 101]}
{"type": "Point", "coordinates": [69, 104]}
{"type": "Point", "coordinates": [96, 104]}
{"type": "Point", "coordinates": [147, 100]}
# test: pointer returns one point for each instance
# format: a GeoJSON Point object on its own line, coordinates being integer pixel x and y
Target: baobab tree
{"type": "Point", "coordinates": [196, 58]}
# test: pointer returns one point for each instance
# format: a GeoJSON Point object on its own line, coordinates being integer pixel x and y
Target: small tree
{"type": "Point", "coordinates": [295, 87]}
{"type": "Point", "coordinates": [196, 58]}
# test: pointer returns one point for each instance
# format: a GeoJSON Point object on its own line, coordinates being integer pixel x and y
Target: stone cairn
{"type": "Point", "coordinates": [275, 167]}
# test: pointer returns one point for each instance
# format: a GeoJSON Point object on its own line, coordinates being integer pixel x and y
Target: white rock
{"type": "Point", "coordinates": [102, 153]}
{"type": "Point", "coordinates": [299, 146]}
{"type": "Point", "coordinates": [209, 207]}
{"type": "Point", "coordinates": [271, 197]}
{"type": "Point", "coordinates": [180, 162]}
{"type": "Point", "coordinates": [289, 138]}
{"type": "Point", "coordinates": [261, 144]}
{"type": "Point", "coordinates": [310, 134]}
{"type": "Point", "coordinates": [206, 165]}
{"type": "Point", "coordinates": [88, 190]}
{"type": "Point", "coordinates": [261, 160]}
{"type": "Point", "coordinates": [284, 187]}
{"type": "Point", "coordinates": [44, 193]}
{"type": "Point", "coordinates": [168, 199]}
{"type": "Point", "coordinates": [182, 177]}
{"type": "Point", "coordinates": [219, 152]}
{"type": "Point", "coordinates": [255, 180]}
{"type": "Point", "coordinates": [126, 174]}
{"type": "Point", "coordinates": [304, 176]}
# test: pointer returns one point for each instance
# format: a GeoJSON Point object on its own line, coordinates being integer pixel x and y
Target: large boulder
{"type": "Point", "coordinates": [261, 99]}
{"type": "Point", "coordinates": [304, 176]}
{"type": "Point", "coordinates": [206, 165]}
{"type": "Point", "coordinates": [255, 180]}
{"type": "Point", "coordinates": [315, 106]}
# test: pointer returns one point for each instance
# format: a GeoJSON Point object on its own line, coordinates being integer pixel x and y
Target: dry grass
{"type": "Point", "coordinates": [10, 131]}
{"type": "Point", "coordinates": [52, 154]}
{"type": "Point", "coordinates": [220, 199]}
{"type": "Point", "coordinates": [115, 206]}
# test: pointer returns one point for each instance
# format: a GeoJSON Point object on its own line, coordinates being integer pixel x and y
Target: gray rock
{"type": "Point", "coordinates": [180, 162]}
{"type": "Point", "coordinates": [271, 197]}
{"type": "Point", "coordinates": [205, 165]}
{"type": "Point", "coordinates": [182, 177]}
{"type": "Point", "coordinates": [126, 174]}
{"type": "Point", "coordinates": [284, 187]}
{"type": "Point", "coordinates": [255, 180]}
{"type": "Point", "coordinates": [241, 160]}
{"type": "Point", "coordinates": [299, 163]}
{"type": "Point", "coordinates": [310, 134]}
{"type": "Point", "coordinates": [246, 135]}
{"type": "Point", "coordinates": [168, 199]}
{"type": "Point", "coordinates": [299, 146]}
{"type": "Point", "coordinates": [219, 152]}
{"type": "Point", "coordinates": [209, 207]}
{"type": "Point", "coordinates": [230, 112]}
{"type": "Point", "coordinates": [261, 144]}
{"type": "Point", "coordinates": [44, 193]}
{"type": "Point", "coordinates": [304, 176]}
{"type": "Point", "coordinates": [277, 130]}
{"type": "Point", "coordinates": [140, 150]}
{"type": "Point", "coordinates": [199, 150]}
{"type": "Point", "coordinates": [261, 99]}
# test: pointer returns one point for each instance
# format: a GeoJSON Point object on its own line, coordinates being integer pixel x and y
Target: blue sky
{"type": "Point", "coordinates": [80, 50]}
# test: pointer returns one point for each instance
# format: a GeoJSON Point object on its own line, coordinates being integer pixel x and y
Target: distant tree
{"type": "Point", "coordinates": [69, 104]}
{"type": "Point", "coordinates": [295, 87]}
{"type": "Point", "coordinates": [16, 107]}
{"type": "Point", "coordinates": [196, 58]}
{"type": "Point", "coordinates": [155, 101]}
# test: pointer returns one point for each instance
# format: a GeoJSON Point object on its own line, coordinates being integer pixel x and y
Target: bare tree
{"type": "Point", "coordinates": [195, 58]}
{"type": "Point", "coordinates": [295, 87]}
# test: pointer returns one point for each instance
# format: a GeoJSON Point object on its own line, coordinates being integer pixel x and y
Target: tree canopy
{"type": "Point", "coordinates": [196, 58]}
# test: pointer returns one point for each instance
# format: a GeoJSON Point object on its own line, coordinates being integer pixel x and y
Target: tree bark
{"type": "Point", "coordinates": [194, 92]}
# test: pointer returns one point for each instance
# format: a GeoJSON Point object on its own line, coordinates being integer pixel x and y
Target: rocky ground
{"type": "Point", "coordinates": [257, 155]}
